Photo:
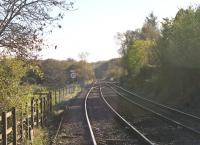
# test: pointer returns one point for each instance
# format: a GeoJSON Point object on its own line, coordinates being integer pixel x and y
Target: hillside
{"type": "Point", "coordinates": [110, 69]}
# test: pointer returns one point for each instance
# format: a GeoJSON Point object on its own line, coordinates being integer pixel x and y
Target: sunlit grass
{"type": "Point", "coordinates": [39, 137]}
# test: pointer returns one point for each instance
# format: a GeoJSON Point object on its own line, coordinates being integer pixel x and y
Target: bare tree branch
{"type": "Point", "coordinates": [23, 21]}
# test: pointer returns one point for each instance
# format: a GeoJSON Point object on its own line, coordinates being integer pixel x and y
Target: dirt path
{"type": "Point", "coordinates": [74, 128]}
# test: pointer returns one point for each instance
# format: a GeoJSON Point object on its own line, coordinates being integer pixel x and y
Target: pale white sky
{"type": "Point", "coordinates": [94, 24]}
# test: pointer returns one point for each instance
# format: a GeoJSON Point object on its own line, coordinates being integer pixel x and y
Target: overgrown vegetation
{"type": "Point", "coordinates": [164, 62]}
{"type": "Point", "coordinates": [13, 92]}
{"type": "Point", "coordinates": [22, 25]}
{"type": "Point", "coordinates": [40, 137]}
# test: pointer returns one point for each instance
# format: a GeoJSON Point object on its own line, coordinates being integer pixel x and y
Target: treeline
{"type": "Point", "coordinates": [19, 79]}
{"type": "Point", "coordinates": [57, 73]}
{"type": "Point", "coordinates": [109, 70]}
{"type": "Point", "coordinates": [164, 60]}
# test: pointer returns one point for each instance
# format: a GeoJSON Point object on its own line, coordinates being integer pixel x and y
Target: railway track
{"type": "Point", "coordinates": [186, 120]}
{"type": "Point", "coordinates": [106, 125]}
{"type": "Point", "coordinates": [115, 116]}
{"type": "Point", "coordinates": [178, 128]}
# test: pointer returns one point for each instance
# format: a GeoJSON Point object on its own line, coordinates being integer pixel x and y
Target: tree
{"type": "Point", "coordinates": [83, 56]}
{"type": "Point", "coordinates": [139, 42]}
{"type": "Point", "coordinates": [22, 23]}
{"type": "Point", "coordinates": [55, 72]}
{"type": "Point", "coordinates": [34, 76]}
{"type": "Point", "coordinates": [12, 91]}
{"type": "Point", "coordinates": [114, 70]}
{"type": "Point", "coordinates": [180, 41]}
{"type": "Point", "coordinates": [85, 70]}
{"type": "Point", "coordinates": [150, 29]}
{"type": "Point", "coordinates": [127, 39]}
{"type": "Point", "coordinates": [139, 56]}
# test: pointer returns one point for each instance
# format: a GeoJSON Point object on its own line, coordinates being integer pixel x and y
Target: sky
{"type": "Point", "coordinates": [92, 27]}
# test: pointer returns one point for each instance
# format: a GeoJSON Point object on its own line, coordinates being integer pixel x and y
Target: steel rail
{"type": "Point", "coordinates": [142, 137]}
{"type": "Point", "coordinates": [158, 104]}
{"type": "Point", "coordinates": [55, 137]}
{"type": "Point", "coordinates": [157, 114]}
{"type": "Point", "coordinates": [87, 118]}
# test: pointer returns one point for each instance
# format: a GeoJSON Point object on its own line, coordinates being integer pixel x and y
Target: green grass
{"type": "Point", "coordinates": [39, 137]}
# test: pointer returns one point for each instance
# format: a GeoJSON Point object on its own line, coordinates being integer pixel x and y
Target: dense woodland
{"type": "Point", "coordinates": [163, 61]}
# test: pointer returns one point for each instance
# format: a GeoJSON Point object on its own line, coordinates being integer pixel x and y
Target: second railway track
{"type": "Point", "coordinates": [158, 128]}
{"type": "Point", "coordinates": [186, 120]}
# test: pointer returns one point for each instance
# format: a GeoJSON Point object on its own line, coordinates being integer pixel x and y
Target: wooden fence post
{"type": "Point", "coordinates": [31, 134]}
{"type": "Point", "coordinates": [63, 93]}
{"type": "Point", "coordinates": [27, 121]}
{"type": "Point", "coordinates": [14, 126]}
{"type": "Point", "coordinates": [37, 112]}
{"type": "Point", "coordinates": [39, 106]}
{"type": "Point", "coordinates": [59, 94]}
{"type": "Point", "coordinates": [4, 131]}
{"type": "Point", "coordinates": [32, 112]}
{"type": "Point", "coordinates": [55, 98]}
{"type": "Point", "coordinates": [41, 110]}
{"type": "Point", "coordinates": [48, 103]}
{"type": "Point", "coordinates": [50, 97]}
{"type": "Point", "coordinates": [45, 104]}
{"type": "Point", "coordinates": [45, 108]}
{"type": "Point", "coordinates": [22, 127]}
